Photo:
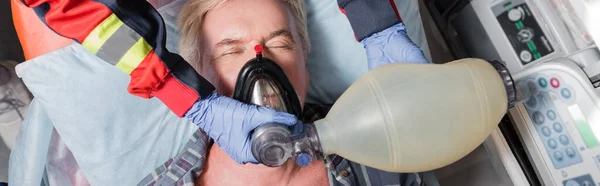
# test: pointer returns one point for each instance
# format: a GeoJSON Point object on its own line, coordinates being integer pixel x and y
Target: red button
{"type": "Point", "coordinates": [554, 82]}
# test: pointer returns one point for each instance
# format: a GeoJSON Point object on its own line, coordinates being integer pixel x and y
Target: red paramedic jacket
{"type": "Point", "coordinates": [130, 35]}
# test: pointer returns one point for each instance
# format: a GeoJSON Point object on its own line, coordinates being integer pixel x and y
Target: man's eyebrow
{"type": "Point", "coordinates": [227, 41]}
{"type": "Point", "coordinates": [281, 32]}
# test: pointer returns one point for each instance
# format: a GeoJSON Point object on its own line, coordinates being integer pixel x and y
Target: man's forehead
{"type": "Point", "coordinates": [236, 20]}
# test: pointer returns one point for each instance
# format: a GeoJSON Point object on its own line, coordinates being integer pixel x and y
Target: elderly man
{"type": "Point", "coordinates": [218, 38]}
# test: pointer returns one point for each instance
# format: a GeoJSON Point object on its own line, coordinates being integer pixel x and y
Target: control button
{"type": "Point", "coordinates": [525, 35]}
{"type": "Point", "coordinates": [552, 144]}
{"type": "Point", "coordinates": [515, 15]}
{"type": "Point", "coordinates": [525, 56]}
{"type": "Point", "coordinates": [572, 183]}
{"type": "Point", "coordinates": [542, 82]}
{"type": "Point", "coordinates": [554, 82]}
{"type": "Point", "coordinates": [533, 88]}
{"type": "Point", "coordinates": [551, 114]}
{"type": "Point", "coordinates": [558, 156]}
{"type": "Point", "coordinates": [531, 103]}
{"type": "Point", "coordinates": [546, 131]}
{"type": "Point", "coordinates": [565, 93]}
{"type": "Point", "coordinates": [570, 152]}
{"type": "Point", "coordinates": [563, 139]}
{"type": "Point", "coordinates": [557, 127]}
{"type": "Point", "coordinates": [538, 117]}
{"type": "Point", "coordinates": [523, 87]}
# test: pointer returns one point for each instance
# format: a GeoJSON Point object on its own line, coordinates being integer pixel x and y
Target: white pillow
{"type": "Point", "coordinates": [116, 138]}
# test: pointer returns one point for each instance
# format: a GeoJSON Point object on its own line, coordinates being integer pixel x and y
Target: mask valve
{"type": "Point", "coordinates": [258, 49]}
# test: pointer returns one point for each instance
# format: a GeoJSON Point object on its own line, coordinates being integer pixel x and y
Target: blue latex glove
{"type": "Point", "coordinates": [392, 45]}
{"type": "Point", "coordinates": [229, 122]}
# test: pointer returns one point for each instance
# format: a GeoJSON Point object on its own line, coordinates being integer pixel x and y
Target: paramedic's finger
{"type": "Point", "coordinates": [392, 45]}
{"type": "Point", "coordinates": [130, 35]}
{"type": "Point", "coordinates": [362, 13]}
{"type": "Point", "coordinates": [229, 122]}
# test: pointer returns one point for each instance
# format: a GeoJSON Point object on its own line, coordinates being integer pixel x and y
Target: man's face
{"type": "Point", "coordinates": [231, 31]}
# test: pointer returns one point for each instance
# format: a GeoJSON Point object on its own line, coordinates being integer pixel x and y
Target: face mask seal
{"type": "Point", "coordinates": [262, 82]}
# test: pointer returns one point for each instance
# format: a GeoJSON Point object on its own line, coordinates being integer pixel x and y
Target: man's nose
{"type": "Point", "coordinates": [259, 48]}
{"type": "Point", "coordinates": [266, 53]}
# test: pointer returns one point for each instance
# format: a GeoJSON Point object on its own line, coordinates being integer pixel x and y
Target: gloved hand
{"type": "Point", "coordinates": [378, 26]}
{"type": "Point", "coordinates": [392, 45]}
{"type": "Point", "coordinates": [229, 122]}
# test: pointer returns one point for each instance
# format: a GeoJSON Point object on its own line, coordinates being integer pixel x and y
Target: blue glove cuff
{"type": "Point", "coordinates": [394, 30]}
{"type": "Point", "coordinates": [392, 45]}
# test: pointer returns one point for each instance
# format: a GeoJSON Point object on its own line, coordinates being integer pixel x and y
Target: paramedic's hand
{"type": "Point", "coordinates": [229, 122]}
{"type": "Point", "coordinates": [392, 45]}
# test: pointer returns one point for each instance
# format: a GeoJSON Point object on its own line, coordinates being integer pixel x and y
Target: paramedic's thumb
{"type": "Point", "coordinates": [392, 45]}
{"type": "Point", "coordinates": [229, 122]}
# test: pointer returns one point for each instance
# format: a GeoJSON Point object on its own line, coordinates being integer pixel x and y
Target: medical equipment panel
{"type": "Point", "coordinates": [522, 30]}
{"type": "Point", "coordinates": [550, 53]}
{"type": "Point", "coordinates": [560, 122]}
{"type": "Point", "coordinates": [522, 33]}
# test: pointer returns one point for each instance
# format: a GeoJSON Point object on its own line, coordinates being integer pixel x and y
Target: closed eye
{"type": "Point", "coordinates": [231, 52]}
{"type": "Point", "coordinates": [280, 45]}
{"type": "Point", "coordinates": [228, 53]}
{"type": "Point", "coordinates": [280, 39]}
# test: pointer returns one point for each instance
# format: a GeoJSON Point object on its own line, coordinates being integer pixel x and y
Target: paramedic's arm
{"type": "Point", "coordinates": [130, 34]}
{"type": "Point", "coordinates": [378, 26]}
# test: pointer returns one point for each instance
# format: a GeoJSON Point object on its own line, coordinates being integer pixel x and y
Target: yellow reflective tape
{"type": "Point", "coordinates": [101, 33]}
{"type": "Point", "coordinates": [134, 56]}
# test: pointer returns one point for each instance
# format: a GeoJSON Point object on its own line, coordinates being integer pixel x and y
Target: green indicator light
{"type": "Point", "coordinates": [537, 55]}
{"type": "Point", "coordinates": [589, 138]}
{"type": "Point", "coordinates": [507, 4]}
{"type": "Point", "coordinates": [531, 46]}
{"type": "Point", "coordinates": [587, 134]}
{"type": "Point", "coordinates": [519, 25]}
